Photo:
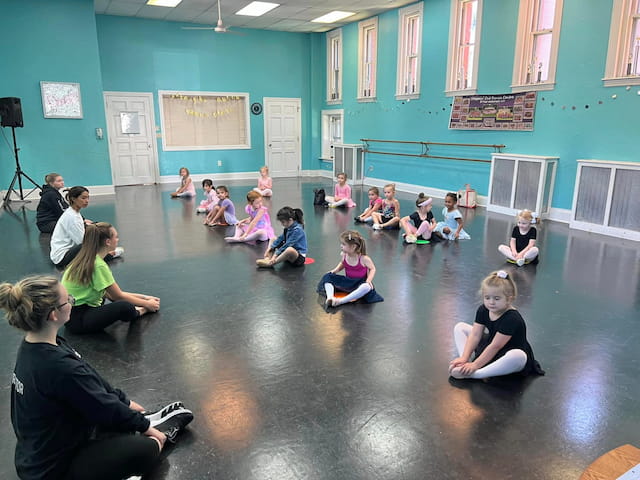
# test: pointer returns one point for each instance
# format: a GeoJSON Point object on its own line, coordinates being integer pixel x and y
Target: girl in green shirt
{"type": "Point", "coordinates": [89, 279]}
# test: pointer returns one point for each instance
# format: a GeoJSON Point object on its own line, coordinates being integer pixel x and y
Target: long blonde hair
{"type": "Point", "coordinates": [81, 268]}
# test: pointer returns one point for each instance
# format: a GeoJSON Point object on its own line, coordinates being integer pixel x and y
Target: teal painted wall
{"type": "Point", "coordinates": [53, 41]}
{"type": "Point", "coordinates": [600, 127]}
{"type": "Point", "coordinates": [140, 55]}
{"type": "Point", "coordinates": [65, 41]}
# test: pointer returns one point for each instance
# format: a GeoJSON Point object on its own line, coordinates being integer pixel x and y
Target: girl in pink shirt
{"type": "Point", "coordinates": [359, 272]}
{"type": "Point", "coordinates": [341, 193]}
{"type": "Point", "coordinates": [265, 184]}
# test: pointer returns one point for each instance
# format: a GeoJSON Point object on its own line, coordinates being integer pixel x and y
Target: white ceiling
{"type": "Point", "coordinates": [290, 16]}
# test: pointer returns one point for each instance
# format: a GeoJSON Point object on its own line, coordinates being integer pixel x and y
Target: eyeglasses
{"type": "Point", "coordinates": [70, 300]}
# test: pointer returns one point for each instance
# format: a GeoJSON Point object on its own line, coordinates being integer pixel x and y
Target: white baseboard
{"type": "Point", "coordinates": [317, 173]}
{"type": "Point", "coordinates": [562, 215]}
{"type": "Point", "coordinates": [411, 188]}
{"type": "Point", "coordinates": [216, 177]}
{"type": "Point", "coordinates": [219, 177]}
{"type": "Point", "coordinates": [35, 195]}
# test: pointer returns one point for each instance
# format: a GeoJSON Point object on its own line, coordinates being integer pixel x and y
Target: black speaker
{"type": "Point", "coordinates": [11, 112]}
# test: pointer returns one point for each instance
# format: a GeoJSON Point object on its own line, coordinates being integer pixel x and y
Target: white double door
{"type": "Point", "coordinates": [282, 136]}
{"type": "Point", "coordinates": [132, 141]}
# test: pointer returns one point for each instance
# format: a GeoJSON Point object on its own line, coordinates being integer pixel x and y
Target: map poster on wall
{"type": "Point", "coordinates": [61, 100]}
{"type": "Point", "coordinates": [513, 111]}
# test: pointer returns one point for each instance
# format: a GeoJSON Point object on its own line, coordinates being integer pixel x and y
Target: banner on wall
{"type": "Point", "coordinates": [512, 111]}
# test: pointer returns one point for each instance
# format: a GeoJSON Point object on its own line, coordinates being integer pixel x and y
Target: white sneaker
{"type": "Point", "coordinates": [201, 210]}
{"type": "Point", "coordinates": [377, 226]}
{"type": "Point", "coordinates": [411, 238]}
{"type": "Point", "coordinates": [118, 252]}
{"type": "Point", "coordinates": [520, 262]}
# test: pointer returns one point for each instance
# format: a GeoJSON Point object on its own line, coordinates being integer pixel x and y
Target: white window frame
{"type": "Point", "coordinates": [524, 72]}
{"type": "Point", "coordinates": [334, 67]}
{"type": "Point", "coordinates": [405, 17]}
{"type": "Point", "coordinates": [367, 60]}
{"type": "Point", "coordinates": [328, 139]}
{"type": "Point", "coordinates": [453, 86]}
{"type": "Point", "coordinates": [620, 45]}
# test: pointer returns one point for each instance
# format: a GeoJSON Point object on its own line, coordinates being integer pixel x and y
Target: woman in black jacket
{"type": "Point", "coordinates": [70, 423]}
{"type": "Point", "coordinates": [51, 203]}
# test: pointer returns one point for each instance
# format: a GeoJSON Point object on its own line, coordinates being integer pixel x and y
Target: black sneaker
{"type": "Point", "coordinates": [174, 423]}
{"type": "Point", "coordinates": [158, 415]}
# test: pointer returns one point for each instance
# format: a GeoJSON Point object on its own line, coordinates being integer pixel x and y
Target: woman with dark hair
{"type": "Point", "coordinates": [69, 230]}
{"type": "Point", "coordinates": [51, 203]}
{"type": "Point", "coordinates": [89, 279]}
{"type": "Point", "coordinates": [69, 422]}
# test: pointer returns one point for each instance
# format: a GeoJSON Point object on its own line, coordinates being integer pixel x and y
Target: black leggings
{"type": "Point", "coordinates": [87, 319]}
{"type": "Point", "coordinates": [70, 255]}
{"type": "Point", "coordinates": [114, 458]}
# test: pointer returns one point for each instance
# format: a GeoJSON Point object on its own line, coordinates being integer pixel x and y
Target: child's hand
{"type": "Point", "coordinates": [456, 235]}
{"type": "Point", "coordinates": [457, 362]}
{"type": "Point", "coordinates": [468, 368]}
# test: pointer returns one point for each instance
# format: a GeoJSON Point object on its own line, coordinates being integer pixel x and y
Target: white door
{"type": "Point", "coordinates": [282, 136]}
{"type": "Point", "coordinates": [132, 140]}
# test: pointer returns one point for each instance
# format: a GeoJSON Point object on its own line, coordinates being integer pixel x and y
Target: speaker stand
{"type": "Point", "coordinates": [18, 176]}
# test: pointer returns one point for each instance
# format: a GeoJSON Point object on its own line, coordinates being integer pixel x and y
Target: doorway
{"type": "Point", "coordinates": [132, 142]}
{"type": "Point", "coordinates": [282, 127]}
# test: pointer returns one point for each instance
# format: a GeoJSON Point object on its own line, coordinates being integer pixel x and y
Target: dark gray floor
{"type": "Point", "coordinates": [283, 390]}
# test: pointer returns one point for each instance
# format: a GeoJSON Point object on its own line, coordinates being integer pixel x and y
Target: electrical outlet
{"type": "Point", "coordinates": [219, 163]}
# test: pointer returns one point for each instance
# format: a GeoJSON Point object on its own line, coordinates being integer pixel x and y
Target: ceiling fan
{"type": "Point", "coordinates": [219, 28]}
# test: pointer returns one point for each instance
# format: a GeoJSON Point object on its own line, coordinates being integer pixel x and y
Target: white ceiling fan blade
{"type": "Point", "coordinates": [198, 28]}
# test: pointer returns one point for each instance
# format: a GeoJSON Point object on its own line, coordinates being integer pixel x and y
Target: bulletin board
{"type": "Point", "coordinates": [204, 120]}
{"type": "Point", "coordinates": [61, 100]}
{"type": "Point", "coordinates": [511, 111]}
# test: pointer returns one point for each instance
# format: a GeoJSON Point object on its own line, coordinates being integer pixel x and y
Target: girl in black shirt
{"type": "Point", "coordinates": [505, 349]}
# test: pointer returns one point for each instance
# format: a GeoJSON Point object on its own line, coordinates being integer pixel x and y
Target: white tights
{"type": "Point", "coordinates": [359, 292]}
{"type": "Point", "coordinates": [424, 230]}
{"type": "Point", "coordinates": [267, 192]}
{"type": "Point", "coordinates": [339, 203]}
{"type": "Point", "coordinates": [512, 361]}
{"type": "Point", "coordinates": [530, 255]}
{"type": "Point", "coordinates": [260, 235]}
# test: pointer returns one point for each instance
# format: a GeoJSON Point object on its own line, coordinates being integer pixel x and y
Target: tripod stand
{"type": "Point", "coordinates": [18, 176]}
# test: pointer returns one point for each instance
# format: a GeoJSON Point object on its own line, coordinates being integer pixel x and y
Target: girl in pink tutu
{"type": "Point", "coordinates": [255, 227]}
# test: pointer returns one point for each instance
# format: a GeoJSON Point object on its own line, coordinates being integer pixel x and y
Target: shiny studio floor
{"type": "Point", "coordinates": [282, 389]}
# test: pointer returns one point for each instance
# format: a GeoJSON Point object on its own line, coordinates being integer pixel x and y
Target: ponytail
{"type": "Point", "coordinates": [81, 268]}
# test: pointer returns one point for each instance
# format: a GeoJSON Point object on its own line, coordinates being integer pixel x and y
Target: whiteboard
{"type": "Point", "coordinates": [61, 100]}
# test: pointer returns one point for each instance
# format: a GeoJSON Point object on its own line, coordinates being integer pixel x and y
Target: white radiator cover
{"type": "Point", "coordinates": [605, 198]}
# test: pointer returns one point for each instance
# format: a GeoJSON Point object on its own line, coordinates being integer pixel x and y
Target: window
{"type": "Point", "coordinates": [537, 45]}
{"type": "Point", "coordinates": [332, 131]}
{"type": "Point", "coordinates": [464, 43]}
{"type": "Point", "coordinates": [367, 59]}
{"type": "Point", "coordinates": [623, 57]}
{"type": "Point", "coordinates": [409, 49]}
{"type": "Point", "coordinates": [204, 120]}
{"type": "Point", "coordinates": [334, 66]}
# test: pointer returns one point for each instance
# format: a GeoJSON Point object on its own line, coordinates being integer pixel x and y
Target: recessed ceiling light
{"type": "Point", "coordinates": [333, 17]}
{"type": "Point", "coordinates": [255, 9]}
{"type": "Point", "coordinates": [163, 3]}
